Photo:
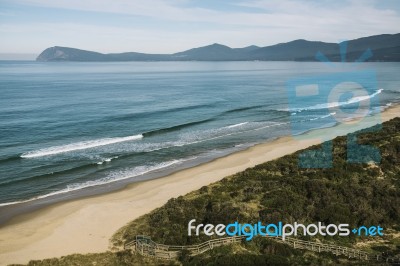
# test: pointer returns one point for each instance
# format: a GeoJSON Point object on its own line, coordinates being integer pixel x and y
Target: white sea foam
{"type": "Point", "coordinates": [323, 116]}
{"type": "Point", "coordinates": [188, 138]}
{"type": "Point", "coordinates": [112, 177]}
{"type": "Point", "coordinates": [237, 125]}
{"type": "Point", "coordinates": [335, 104]}
{"type": "Point", "coordinates": [383, 108]}
{"type": "Point", "coordinates": [107, 160]}
{"type": "Point", "coordinates": [78, 146]}
{"type": "Point", "coordinates": [212, 134]}
{"type": "Point", "coordinates": [184, 139]}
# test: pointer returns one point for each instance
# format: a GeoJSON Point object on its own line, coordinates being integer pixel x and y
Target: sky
{"type": "Point", "coordinates": [27, 27]}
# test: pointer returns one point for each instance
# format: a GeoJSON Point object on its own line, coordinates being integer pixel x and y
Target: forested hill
{"type": "Point", "coordinates": [385, 47]}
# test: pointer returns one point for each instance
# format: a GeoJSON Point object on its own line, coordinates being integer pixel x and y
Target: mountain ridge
{"type": "Point", "coordinates": [384, 47]}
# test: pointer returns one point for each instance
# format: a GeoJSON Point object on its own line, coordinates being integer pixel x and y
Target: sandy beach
{"type": "Point", "coordinates": [86, 225]}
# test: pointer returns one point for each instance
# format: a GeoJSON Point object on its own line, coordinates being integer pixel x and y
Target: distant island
{"type": "Point", "coordinates": [384, 47]}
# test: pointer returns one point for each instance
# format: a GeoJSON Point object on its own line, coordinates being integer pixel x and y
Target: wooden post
{"type": "Point", "coordinates": [146, 247]}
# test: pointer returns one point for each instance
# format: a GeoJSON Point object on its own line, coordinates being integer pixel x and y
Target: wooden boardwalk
{"type": "Point", "coordinates": [147, 247]}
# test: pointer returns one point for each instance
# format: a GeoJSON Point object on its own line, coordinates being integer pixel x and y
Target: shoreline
{"type": "Point", "coordinates": [9, 211]}
{"type": "Point", "coordinates": [85, 225]}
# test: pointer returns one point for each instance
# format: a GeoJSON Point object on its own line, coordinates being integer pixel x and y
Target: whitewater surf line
{"type": "Point", "coordinates": [335, 104]}
{"type": "Point", "coordinates": [83, 145]}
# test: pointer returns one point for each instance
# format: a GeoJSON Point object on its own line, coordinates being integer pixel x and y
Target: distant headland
{"type": "Point", "coordinates": [384, 47]}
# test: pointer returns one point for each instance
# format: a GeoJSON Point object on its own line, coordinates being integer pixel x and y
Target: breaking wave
{"type": "Point", "coordinates": [334, 104]}
{"type": "Point", "coordinates": [112, 177]}
{"type": "Point", "coordinates": [78, 146]}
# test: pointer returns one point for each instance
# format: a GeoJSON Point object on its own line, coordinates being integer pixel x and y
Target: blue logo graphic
{"type": "Point", "coordinates": [347, 98]}
{"type": "Point", "coordinates": [281, 229]}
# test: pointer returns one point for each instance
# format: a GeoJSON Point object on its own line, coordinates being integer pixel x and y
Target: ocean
{"type": "Point", "coordinates": [72, 129]}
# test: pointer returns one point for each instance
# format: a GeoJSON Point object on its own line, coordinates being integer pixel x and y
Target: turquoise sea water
{"type": "Point", "coordinates": [66, 127]}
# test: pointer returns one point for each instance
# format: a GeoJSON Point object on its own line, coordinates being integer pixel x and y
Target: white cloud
{"type": "Point", "coordinates": [278, 21]}
{"type": "Point", "coordinates": [151, 8]}
{"type": "Point", "coordinates": [288, 13]}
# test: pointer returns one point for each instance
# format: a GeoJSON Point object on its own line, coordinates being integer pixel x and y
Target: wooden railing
{"type": "Point", "coordinates": [147, 247]}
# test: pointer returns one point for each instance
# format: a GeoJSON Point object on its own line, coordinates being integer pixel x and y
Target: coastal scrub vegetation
{"type": "Point", "coordinates": [121, 258]}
